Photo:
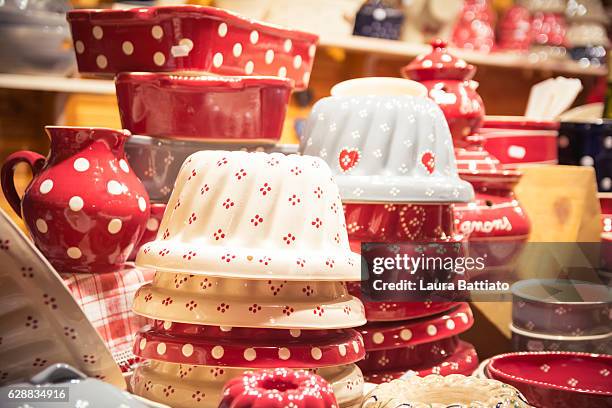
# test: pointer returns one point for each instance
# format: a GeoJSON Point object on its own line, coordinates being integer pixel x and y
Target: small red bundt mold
{"type": "Point", "coordinates": [278, 388]}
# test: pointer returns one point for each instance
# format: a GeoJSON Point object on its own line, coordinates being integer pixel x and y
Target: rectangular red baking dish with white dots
{"type": "Point", "coordinates": [188, 38]}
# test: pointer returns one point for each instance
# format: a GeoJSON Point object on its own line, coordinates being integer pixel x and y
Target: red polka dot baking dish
{"type": "Point", "coordinates": [205, 108]}
{"type": "Point", "coordinates": [188, 38]}
{"type": "Point", "coordinates": [388, 335]}
{"type": "Point", "coordinates": [248, 347]}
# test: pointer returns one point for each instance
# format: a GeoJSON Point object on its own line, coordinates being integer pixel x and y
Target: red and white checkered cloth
{"type": "Point", "coordinates": [107, 300]}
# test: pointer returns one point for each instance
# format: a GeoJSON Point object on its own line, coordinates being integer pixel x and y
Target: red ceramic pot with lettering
{"type": "Point", "coordinates": [495, 222]}
{"type": "Point", "coordinates": [85, 208]}
{"type": "Point", "coordinates": [399, 223]}
{"type": "Point", "coordinates": [448, 80]}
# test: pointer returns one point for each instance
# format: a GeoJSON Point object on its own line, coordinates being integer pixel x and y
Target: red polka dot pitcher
{"type": "Point", "coordinates": [85, 208]}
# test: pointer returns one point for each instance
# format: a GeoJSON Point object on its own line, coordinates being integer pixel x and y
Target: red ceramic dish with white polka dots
{"type": "Point", "coordinates": [85, 208]}
{"type": "Point", "coordinates": [388, 335]}
{"type": "Point", "coordinates": [211, 108]}
{"type": "Point", "coordinates": [557, 379]}
{"type": "Point", "coordinates": [188, 38]}
{"type": "Point", "coordinates": [248, 347]}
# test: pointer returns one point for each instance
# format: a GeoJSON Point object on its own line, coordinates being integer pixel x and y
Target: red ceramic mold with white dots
{"type": "Point", "coordinates": [206, 300]}
{"type": "Point", "coordinates": [206, 108]}
{"type": "Point", "coordinates": [85, 208]}
{"type": "Point", "coordinates": [290, 388]}
{"type": "Point", "coordinates": [254, 216]}
{"type": "Point", "coordinates": [557, 379]}
{"type": "Point", "coordinates": [250, 347]}
{"type": "Point", "coordinates": [42, 324]}
{"type": "Point", "coordinates": [188, 38]}
{"type": "Point", "coordinates": [388, 335]}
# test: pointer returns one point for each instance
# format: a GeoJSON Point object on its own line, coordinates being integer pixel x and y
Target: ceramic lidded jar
{"type": "Point", "coordinates": [449, 83]}
{"type": "Point", "coordinates": [85, 208]}
{"type": "Point", "coordinates": [495, 216]}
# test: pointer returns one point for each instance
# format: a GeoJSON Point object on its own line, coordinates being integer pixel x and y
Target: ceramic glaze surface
{"type": "Point", "coordinates": [250, 109]}
{"type": "Point", "coordinates": [182, 385]}
{"type": "Point", "coordinates": [238, 347]}
{"type": "Point", "coordinates": [188, 38]}
{"type": "Point", "coordinates": [463, 361]}
{"type": "Point", "coordinates": [385, 149]}
{"type": "Point", "coordinates": [249, 303]}
{"type": "Point", "coordinates": [85, 208]}
{"type": "Point", "coordinates": [435, 391]}
{"type": "Point", "coordinates": [300, 388]}
{"type": "Point", "coordinates": [151, 227]}
{"type": "Point", "coordinates": [231, 211]}
{"type": "Point", "coordinates": [410, 356]}
{"type": "Point", "coordinates": [560, 379]}
{"type": "Point", "coordinates": [42, 323]}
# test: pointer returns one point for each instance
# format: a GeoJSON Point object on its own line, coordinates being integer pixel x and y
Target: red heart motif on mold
{"type": "Point", "coordinates": [348, 159]}
{"type": "Point", "coordinates": [428, 160]}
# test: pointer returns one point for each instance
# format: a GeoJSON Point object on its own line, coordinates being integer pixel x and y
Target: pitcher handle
{"type": "Point", "coordinates": [7, 178]}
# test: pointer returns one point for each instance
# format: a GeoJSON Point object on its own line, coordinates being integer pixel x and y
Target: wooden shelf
{"type": "Point", "coordinates": [500, 59]}
{"type": "Point", "coordinates": [57, 84]}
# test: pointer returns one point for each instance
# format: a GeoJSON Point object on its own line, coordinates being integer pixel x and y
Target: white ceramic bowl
{"type": "Point", "coordinates": [254, 216]}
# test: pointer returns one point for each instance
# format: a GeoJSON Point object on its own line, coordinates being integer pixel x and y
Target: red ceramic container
{"type": "Point", "coordinates": [411, 356]}
{"type": "Point", "coordinates": [398, 223]}
{"type": "Point", "coordinates": [84, 208]}
{"type": "Point", "coordinates": [248, 347]}
{"type": "Point", "coordinates": [516, 140]}
{"type": "Point", "coordinates": [280, 387]}
{"type": "Point", "coordinates": [605, 201]}
{"type": "Point", "coordinates": [389, 335]}
{"type": "Point", "coordinates": [464, 361]}
{"type": "Point", "coordinates": [206, 108]}
{"type": "Point", "coordinates": [449, 82]}
{"type": "Point", "coordinates": [390, 223]}
{"type": "Point", "coordinates": [495, 219]}
{"type": "Point", "coordinates": [151, 227]}
{"type": "Point", "coordinates": [188, 38]}
{"type": "Point", "coordinates": [557, 379]}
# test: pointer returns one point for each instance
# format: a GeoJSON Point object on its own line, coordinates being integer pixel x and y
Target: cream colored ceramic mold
{"type": "Point", "coordinates": [188, 386]}
{"type": "Point", "coordinates": [435, 391]}
{"type": "Point", "coordinates": [248, 303]}
{"type": "Point", "coordinates": [254, 216]}
{"type": "Point", "coordinates": [41, 322]}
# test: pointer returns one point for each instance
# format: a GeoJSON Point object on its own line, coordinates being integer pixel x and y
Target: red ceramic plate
{"type": "Point", "coordinates": [463, 361]}
{"type": "Point", "coordinates": [382, 336]}
{"type": "Point", "coordinates": [411, 356]}
{"type": "Point", "coordinates": [205, 108]}
{"type": "Point", "coordinates": [188, 38]}
{"type": "Point", "coordinates": [245, 347]}
{"type": "Point", "coordinates": [557, 379]}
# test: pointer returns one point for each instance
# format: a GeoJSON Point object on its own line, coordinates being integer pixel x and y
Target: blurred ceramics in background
{"type": "Point", "coordinates": [514, 29]}
{"type": "Point", "coordinates": [474, 30]}
{"type": "Point", "coordinates": [379, 19]}
{"type": "Point", "coordinates": [426, 19]}
{"type": "Point", "coordinates": [35, 38]}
